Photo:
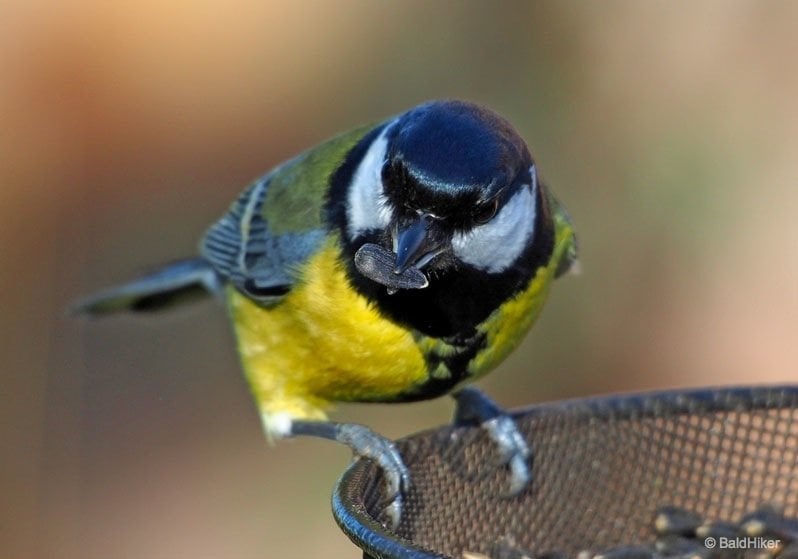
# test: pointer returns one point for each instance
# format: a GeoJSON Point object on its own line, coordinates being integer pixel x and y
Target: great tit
{"type": "Point", "coordinates": [393, 263]}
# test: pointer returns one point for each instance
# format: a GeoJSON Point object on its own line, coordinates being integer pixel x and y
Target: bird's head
{"type": "Point", "coordinates": [444, 186]}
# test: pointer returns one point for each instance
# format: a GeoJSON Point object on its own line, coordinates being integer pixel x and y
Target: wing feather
{"type": "Point", "coordinates": [243, 250]}
{"type": "Point", "coordinates": [278, 222]}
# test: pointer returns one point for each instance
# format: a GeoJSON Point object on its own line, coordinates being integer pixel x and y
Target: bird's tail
{"type": "Point", "coordinates": [169, 285]}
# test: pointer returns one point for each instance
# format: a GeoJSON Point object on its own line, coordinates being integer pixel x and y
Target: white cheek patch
{"type": "Point", "coordinates": [494, 247]}
{"type": "Point", "coordinates": [367, 206]}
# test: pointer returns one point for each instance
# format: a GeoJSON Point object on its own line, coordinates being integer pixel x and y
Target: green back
{"type": "Point", "coordinates": [295, 198]}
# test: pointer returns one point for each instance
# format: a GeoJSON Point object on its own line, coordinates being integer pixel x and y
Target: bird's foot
{"type": "Point", "coordinates": [367, 444]}
{"type": "Point", "coordinates": [514, 452]}
{"type": "Point", "coordinates": [473, 406]}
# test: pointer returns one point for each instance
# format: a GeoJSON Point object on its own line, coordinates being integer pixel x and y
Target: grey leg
{"type": "Point", "coordinates": [368, 444]}
{"type": "Point", "coordinates": [474, 407]}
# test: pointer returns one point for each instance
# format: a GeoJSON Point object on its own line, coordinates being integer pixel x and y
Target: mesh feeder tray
{"type": "Point", "coordinates": [613, 477]}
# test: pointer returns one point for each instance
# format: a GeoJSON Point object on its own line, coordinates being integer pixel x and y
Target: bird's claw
{"type": "Point", "coordinates": [473, 406]}
{"type": "Point", "coordinates": [514, 452]}
{"type": "Point", "coordinates": [366, 443]}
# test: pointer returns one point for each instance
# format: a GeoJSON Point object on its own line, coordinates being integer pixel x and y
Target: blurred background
{"type": "Point", "coordinates": [670, 130]}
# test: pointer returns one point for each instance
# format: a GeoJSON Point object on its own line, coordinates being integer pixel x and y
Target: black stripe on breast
{"type": "Point", "coordinates": [456, 364]}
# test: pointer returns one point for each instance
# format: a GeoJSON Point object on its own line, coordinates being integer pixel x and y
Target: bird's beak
{"type": "Point", "coordinates": [416, 243]}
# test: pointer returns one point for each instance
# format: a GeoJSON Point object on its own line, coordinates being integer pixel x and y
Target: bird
{"type": "Point", "coordinates": [396, 262]}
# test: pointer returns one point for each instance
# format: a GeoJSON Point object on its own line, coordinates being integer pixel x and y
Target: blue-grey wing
{"type": "Point", "coordinates": [244, 251]}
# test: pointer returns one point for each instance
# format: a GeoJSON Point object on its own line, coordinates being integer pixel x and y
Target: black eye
{"type": "Point", "coordinates": [486, 211]}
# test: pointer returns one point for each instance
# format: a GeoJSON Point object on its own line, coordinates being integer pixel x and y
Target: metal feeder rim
{"type": "Point", "coordinates": [379, 542]}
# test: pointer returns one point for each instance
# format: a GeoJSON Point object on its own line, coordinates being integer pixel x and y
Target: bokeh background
{"type": "Point", "coordinates": [670, 130]}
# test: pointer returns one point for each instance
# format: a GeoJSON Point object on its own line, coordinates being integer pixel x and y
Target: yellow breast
{"type": "Point", "coordinates": [322, 343]}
